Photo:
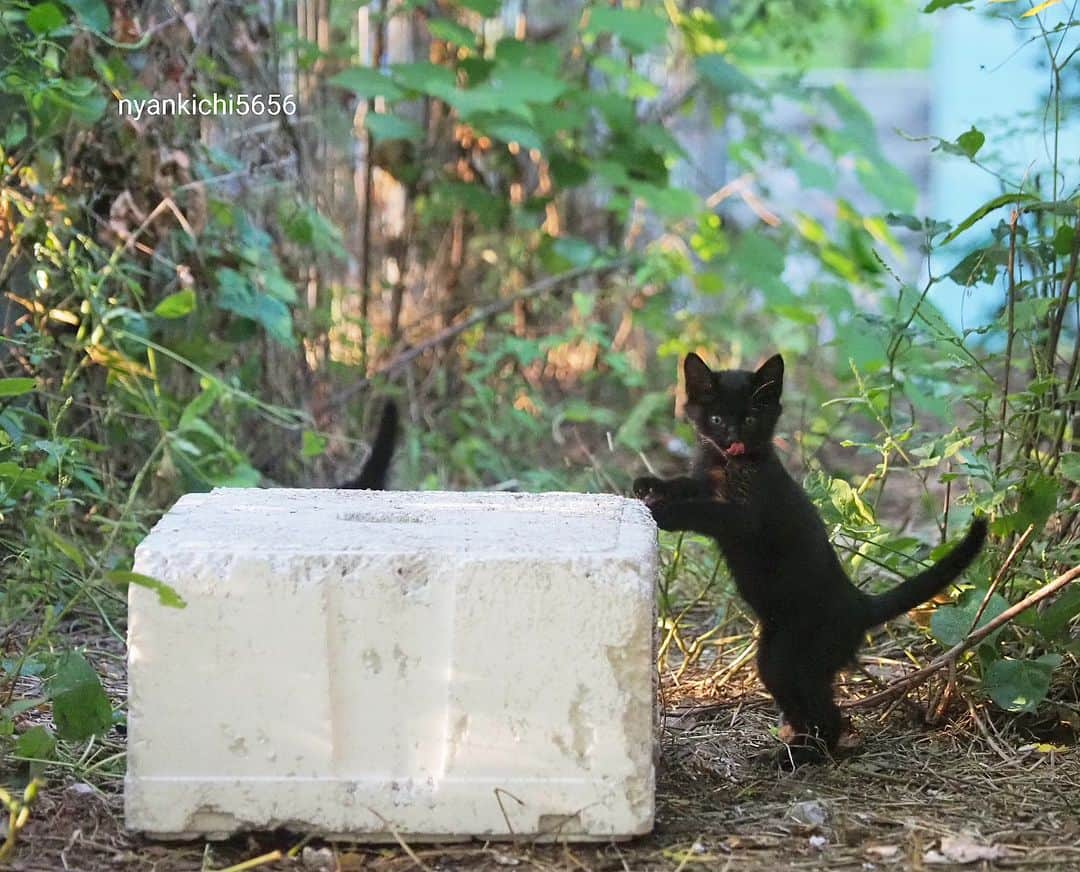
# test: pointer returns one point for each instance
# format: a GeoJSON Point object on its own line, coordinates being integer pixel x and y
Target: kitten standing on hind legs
{"type": "Point", "coordinates": [812, 618]}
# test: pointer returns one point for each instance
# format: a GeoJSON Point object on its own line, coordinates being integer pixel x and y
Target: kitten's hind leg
{"type": "Point", "coordinates": [818, 724]}
{"type": "Point", "coordinates": [804, 696]}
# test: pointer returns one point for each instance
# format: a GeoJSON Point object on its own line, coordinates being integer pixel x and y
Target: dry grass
{"type": "Point", "coordinates": [971, 787]}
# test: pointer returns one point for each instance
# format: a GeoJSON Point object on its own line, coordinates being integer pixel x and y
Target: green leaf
{"type": "Point", "coordinates": [849, 504]}
{"type": "Point", "coordinates": [669, 202]}
{"type": "Point", "coordinates": [519, 85]}
{"type": "Point", "coordinates": [1020, 685]}
{"type": "Point", "coordinates": [1031, 312]}
{"type": "Point", "coordinates": [970, 142]}
{"type": "Point", "coordinates": [313, 445]}
{"type": "Point", "coordinates": [891, 186]}
{"type": "Point", "coordinates": [426, 78]}
{"type": "Point", "coordinates": [80, 707]}
{"type": "Point", "coordinates": [167, 596]}
{"type": "Point", "coordinates": [486, 8]}
{"type": "Point", "coordinates": [308, 227]}
{"type": "Point", "coordinates": [726, 77]}
{"type": "Point", "coordinates": [1069, 464]}
{"type": "Point", "coordinates": [15, 133]}
{"type": "Point", "coordinates": [366, 83]}
{"type": "Point", "coordinates": [950, 625]}
{"type": "Point", "coordinates": [273, 281]}
{"type": "Point", "coordinates": [1053, 620]}
{"type": "Point", "coordinates": [575, 252]}
{"type": "Point", "coordinates": [508, 129]}
{"type": "Point", "coordinates": [236, 294]}
{"type": "Point", "coordinates": [894, 219]}
{"type": "Point", "coordinates": [451, 31]}
{"type": "Point", "coordinates": [27, 666]}
{"type": "Point", "coordinates": [176, 305]}
{"type": "Point", "coordinates": [94, 14]}
{"type": "Point", "coordinates": [935, 5]}
{"type": "Point", "coordinates": [45, 18]}
{"type": "Point", "coordinates": [68, 549]}
{"type": "Point", "coordinates": [980, 266]}
{"type": "Point", "coordinates": [985, 209]}
{"type": "Point", "coordinates": [637, 28]}
{"type": "Point", "coordinates": [447, 196]}
{"type": "Point", "coordinates": [15, 387]}
{"type": "Point", "coordinates": [1038, 499]}
{"type": "Point", "coordinates": [38, 744]}
{"type": "Point", "coordinates": [385, 127]}
{"type": "Point", "coordinates": [567, 171]}
{"type": "Point", "coordinates": [632, 432]}
{"type": "Point", "coordinates": [1063, 240]}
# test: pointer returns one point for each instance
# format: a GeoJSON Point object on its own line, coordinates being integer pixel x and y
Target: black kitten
{"type": "Point", "coordinates": [376, 467]}
{"type": "Point", "coordinates": [776, 546]}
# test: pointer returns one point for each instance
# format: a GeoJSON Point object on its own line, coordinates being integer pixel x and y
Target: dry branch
{"type": "Point", "coordinates": [545, 285]}
{"type": "Point", "coordinates": [903, 685]}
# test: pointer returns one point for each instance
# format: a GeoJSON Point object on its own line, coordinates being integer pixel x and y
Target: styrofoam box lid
{"type": "Point", "coordinates": [333, 521]}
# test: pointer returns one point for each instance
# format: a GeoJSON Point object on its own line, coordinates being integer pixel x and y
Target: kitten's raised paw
{"type": "Point", "coordinates": [649, 489]}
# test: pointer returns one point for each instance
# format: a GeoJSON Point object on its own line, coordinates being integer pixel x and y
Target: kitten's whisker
{"type": "Point", "coordinates": [710, 441]}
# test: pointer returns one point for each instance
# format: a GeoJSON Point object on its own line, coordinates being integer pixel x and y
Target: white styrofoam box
{"type": "Point", "coordinates": [379, 664]}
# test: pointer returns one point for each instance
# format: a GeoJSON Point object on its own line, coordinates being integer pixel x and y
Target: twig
{"type": "Point", "coordinates": [990, 740]}
{"type": "Point", "coordinates": [498, 798]}
{"type": "Point", "coordinates": [262, 860]}
{"type": "Point", "coordinates": [1020, 543]}
{"type": "Point", "coordinates": [722, 678]}
{"type": "Point", "coordinates": [1011, 271]}
{"type": "Point", "coordinates": [1063, 300]}
{"type": "Point", "coordinates": [919, 676]}
{"type": "Point", "coordinates": [401, 841]}
{"type": "Point", "coordinates": [536, 289]}
{"type": "Point", "coordinates": [369, 181]}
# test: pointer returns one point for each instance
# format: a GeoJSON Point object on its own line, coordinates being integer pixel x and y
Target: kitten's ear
{"type": "Point", "coordinates": [699, 381]}
{"type": "Point", "coordinates": [769, 379]}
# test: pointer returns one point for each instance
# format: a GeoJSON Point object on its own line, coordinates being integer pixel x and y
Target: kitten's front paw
{"type": "Point", "coordinates": [649, 490]}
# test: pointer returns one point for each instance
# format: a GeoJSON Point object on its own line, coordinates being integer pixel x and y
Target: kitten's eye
{"type": "Point", "coordinates": [716, 420]}
{"type": "Point", "coordinates": [749, 420]}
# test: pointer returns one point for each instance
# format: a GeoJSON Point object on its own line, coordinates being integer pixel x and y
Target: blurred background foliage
{"type": "Point", "coordinates": [515, 218]}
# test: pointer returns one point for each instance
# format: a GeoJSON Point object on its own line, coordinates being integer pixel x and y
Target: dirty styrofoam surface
{"type": "Point", "coordinates": [382, 664]}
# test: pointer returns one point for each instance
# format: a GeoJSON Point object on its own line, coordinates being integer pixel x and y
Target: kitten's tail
{"type": "Point", "coordinates": [918, 589]}
{"type": "Point", "coordinates": [377, 466]}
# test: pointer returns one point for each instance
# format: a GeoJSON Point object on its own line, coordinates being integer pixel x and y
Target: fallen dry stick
{"type": "Point", "coordinates": [902, 685]}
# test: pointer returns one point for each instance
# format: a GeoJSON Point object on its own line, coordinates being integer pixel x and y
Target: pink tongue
{"type": "Point", "coordinates": [736, 448]}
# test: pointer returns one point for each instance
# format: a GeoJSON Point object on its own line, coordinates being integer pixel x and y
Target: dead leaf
{"type": "Point", "coordinates": [964, 850]}
{"type": "Point", "coordinates": [882, 852]}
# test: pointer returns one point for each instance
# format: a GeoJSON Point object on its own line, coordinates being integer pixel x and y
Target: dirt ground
{"type": "Point", "coordinates": [973, 791]}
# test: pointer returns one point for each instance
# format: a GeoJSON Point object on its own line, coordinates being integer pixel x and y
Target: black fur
{"type": "Point", "coordinates": [376, 467]}
{"type": "Point", "coordinates": [776, 546]}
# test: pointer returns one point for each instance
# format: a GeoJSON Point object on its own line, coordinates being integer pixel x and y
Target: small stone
{"type": "Point", "coordinates": [80, 788]}
{"type": "Point", "coordinates": [317, 858]}
{"type": "Point", "coordinates": [810, 813]}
